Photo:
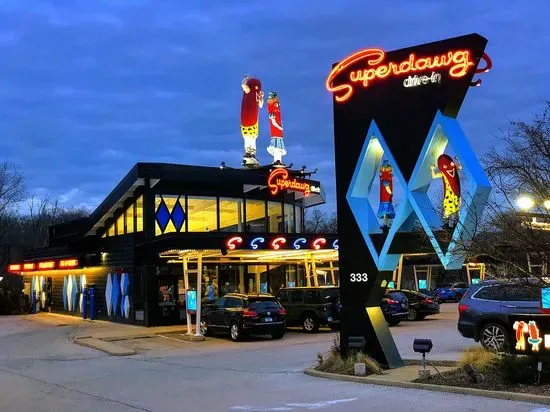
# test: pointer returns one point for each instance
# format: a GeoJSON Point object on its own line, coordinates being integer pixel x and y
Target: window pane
{"type": "Point", "coordinates": [111, 231]}
{"type": "Point", "coordinates": [275, 217]}
{"type": "Point", "coordinates": [489, 293]}
{"type": "Point", "coordinates": [255, 216]}
{"type": "Point", "coordinates": [231, 215]}
{"type": "Point", "coordinates": [297, 295]}
{"type": "Point", "coordinates": [130, 219]}
{"type": "Point", "coordinates": [299, 221]}
{"type": "Point", "coordinates": [170, 201]}
{"type": "Point", "coordinates": [120, 225]}
{"type": "Point", "coordinates": [201, 214]}
{"type": "Point", "coordinates": [139, 214]}
{"type": "Point", "coordinates": [289, 219]}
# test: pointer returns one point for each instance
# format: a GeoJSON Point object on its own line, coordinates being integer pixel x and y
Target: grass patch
{"type": "Point", "coordinates": [333, 362]}
{"type": "Point", "coordinates": [479, 358]}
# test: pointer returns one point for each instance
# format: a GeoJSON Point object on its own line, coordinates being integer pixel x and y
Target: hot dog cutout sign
{"type": "Point", "coordinates": [276, 146]}
{"type": "Point", "coordinates": [448, 172]}
{"type": "Point", "coordinates": [252, 102]}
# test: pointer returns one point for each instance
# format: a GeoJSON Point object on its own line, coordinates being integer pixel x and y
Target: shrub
{"type": "Point", "coordinates": [479, 358]}
{"type": "Point", "coordinates": [334, 363]}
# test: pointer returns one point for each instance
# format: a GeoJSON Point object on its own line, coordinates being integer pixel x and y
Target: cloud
{"type": "Point", "coordinates": [90, 88]}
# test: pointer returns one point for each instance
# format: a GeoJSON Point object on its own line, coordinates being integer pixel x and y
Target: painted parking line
{"type": "Point", "coordinates": [294, 406]}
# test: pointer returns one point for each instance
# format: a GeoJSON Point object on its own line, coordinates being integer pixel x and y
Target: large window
{"type": "Point", "coordinates": [231, 215]}
{"type": "Point", "coordinates": [290, 224]}
{"type": "Point", "coordinates": [275, 217]}
{"type": "Point", "coordinates": [129, 216]}
{"type": "Point", "coordinates": [202, 214]}
{"type": "Point", "coordinates": [120, 225]}
{"type": "Point", "coordinates": [299, 219]}
{"type": "Point", "coordinates": [255, 216]}
{"type": "Point", "coordinates": [169, 214]}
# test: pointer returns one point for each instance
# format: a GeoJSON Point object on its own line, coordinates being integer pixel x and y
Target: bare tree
{"type": "Point", "coordinates": [318, 221]}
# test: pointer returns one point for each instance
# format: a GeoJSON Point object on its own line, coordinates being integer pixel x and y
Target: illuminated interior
{"type": "Point", "coordinates": [130, 221]}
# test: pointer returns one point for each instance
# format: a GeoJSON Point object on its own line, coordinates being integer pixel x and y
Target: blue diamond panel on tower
{"type": "Point", "coordinates": [163, 215]}
{"type": "Point", "coordinates": [178, 216]}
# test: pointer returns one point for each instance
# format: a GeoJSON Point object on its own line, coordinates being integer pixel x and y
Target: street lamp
{"type": "Point", "coordinates": [525, 202]}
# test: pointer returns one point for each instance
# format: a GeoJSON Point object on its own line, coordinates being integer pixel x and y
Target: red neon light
{"type": "Point", "coordinates": [458, 62]}
{"type": "Point", "coordinates": [29, 266]}
{"type": "Point", "coordinates": [68, 263]}
{"type": "Point", "coordinates": [488, 66]}
{"type": "Point", "coordinates": [46, 265]}
{"type": "Point", "coordinates": [278, 180]}
{"type": "Point", "coordinates": [278, 242]}
{"type": "Point", "coordinates": [319, 242]}
{"type": "Point", "coordinates": [233, 242]}
{"type": "Point", "coordinates": [15, 267]}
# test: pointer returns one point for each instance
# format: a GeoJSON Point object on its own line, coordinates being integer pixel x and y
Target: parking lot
{"type": "Point", "coordinates": [441, 329]}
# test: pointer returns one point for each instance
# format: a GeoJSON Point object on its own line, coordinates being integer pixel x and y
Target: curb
{"type": "Point", "coordinates": [107, 347]}
{"type": "Point", "coordinates": [508, 396]}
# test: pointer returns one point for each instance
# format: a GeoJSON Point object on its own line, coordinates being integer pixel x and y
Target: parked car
{"type": "Point", "coordinates": [311, 307]}
{"type": "Point", "coordinates": [454, 291]}
{"type": "Point", "coordinates": [485, 308]}
{"type": "Point", "coordinates": [395, 307]}
{"type": "Point", "coordinates": [241, 315]}
{"type": "Point", "coordinates": [420, 304]}
{"type": "Point", "coordinates": [431, 293]}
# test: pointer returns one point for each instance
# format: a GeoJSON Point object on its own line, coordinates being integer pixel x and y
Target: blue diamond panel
{"type": "Point", "coordinates": [178, 216]}
{"type": "Point", "coordinates": [163, 215]}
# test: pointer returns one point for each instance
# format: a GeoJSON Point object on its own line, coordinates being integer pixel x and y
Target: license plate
{"type": "Point", "coordinates": [268, 319]}
{"type": "Point", "coordinates": [329, 318]}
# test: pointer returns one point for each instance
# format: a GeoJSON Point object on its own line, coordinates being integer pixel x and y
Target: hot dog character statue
{"type": "Point", "coordinates": [252, 102]}
{"type": "Point", "coordinates": [448, 172]}
{"type": "Point", "coordinates": [386, 212]}
{"type": "Point", "coordinates": [276, 146]}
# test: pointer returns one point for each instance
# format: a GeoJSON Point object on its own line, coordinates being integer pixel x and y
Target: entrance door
{"type": "Point", "coordinates": [168, 300]}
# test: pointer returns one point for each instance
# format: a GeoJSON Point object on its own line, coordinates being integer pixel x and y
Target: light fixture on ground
{"type": "Point", "coordinates": [525, 202]}
{"type": "Point", "coordinates": [423, 346]}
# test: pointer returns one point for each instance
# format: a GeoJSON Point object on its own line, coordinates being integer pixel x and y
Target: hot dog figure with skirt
{"type": "Point", "coordinates": [252, 102]}
{"type": "Point", "coordinates": [386, 212]}
{"type": "Point", "coordinates": [448, 172]}
{"type": "Point", "coordinates": [276, 146]}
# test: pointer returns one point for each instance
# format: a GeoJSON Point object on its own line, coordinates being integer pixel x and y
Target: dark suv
{"type": "Point", "coordinates": [241, 315]}
{"type": "Point", "coordinates": [311, 307]}
{"type": "Point", "coordinates": [485, 308]}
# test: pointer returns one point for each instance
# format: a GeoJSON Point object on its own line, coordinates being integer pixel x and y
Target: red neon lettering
{"type": "Point", "coordinates": [458, 62]}
{"type": "Point", "coordinates": [278, 180]}
{"type": "Point", "coordinates": [68, 263]}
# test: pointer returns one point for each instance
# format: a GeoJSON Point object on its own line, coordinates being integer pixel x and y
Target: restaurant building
{"type": "Point", "coordinates": [168, 228]}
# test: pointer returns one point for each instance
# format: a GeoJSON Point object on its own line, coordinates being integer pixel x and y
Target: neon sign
{"type": "Point", "coordinates": [319, 242]}
{"type": "Point", "coordinates": [278, 180]}
{"type": "Point", "coordinates": [531, 329]}
{"type": "Point", "coordinates": [233, 242]}
{"type": "Point", "coordinates": [68, 263]}
{"type": "Point", "coordinates": [29, 266]}
{"type": "Point", "coordinates": [335, 245]}
{"type": "Point", "coordinates": [255, 241]}
{"type": "Point", "coordinates": [297, 242]}
{"type": "Point", "coordinates": [46, 265]}
{"type": "Point", "coordinates": [15, 267]}
{"type": "Point", "coordinates": [458, 63]}
{"type": "Point", "coordinates": [278, 242]}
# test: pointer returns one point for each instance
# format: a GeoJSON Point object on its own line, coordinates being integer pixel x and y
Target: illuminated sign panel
{"type": "Point", "coordinates": [16, 267]}
{"type": "Point", "coordinates": [279, 180]}
{"type": "Point", "coordinates": [68, 263]}
{"type": "Point", "coordinates": [530, 334]}
{"type": "Point", "coordinates": [46, 265]}
{"type": "Point", "coordinates": [29, 266]}
{"type": "Point", "coordinates": [278, 242]}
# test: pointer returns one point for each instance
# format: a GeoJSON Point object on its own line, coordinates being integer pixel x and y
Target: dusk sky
{"type": "Point", "coordinates": [89, 88]}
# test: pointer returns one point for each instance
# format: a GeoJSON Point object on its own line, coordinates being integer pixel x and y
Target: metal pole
{"type": "Point", "coordinates": [314, 272]}
{"type": "Point", "coordinates": [399, 272]}
{"type": "Point", "coordinates": [186, 282]}
{"type": "Point", "coordinates": [199, 294]}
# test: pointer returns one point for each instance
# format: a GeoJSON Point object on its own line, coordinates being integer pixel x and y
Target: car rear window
{"type": "Point", "coordinates": [254, 304]}
{"type": "Point", "coordinates": [397, 296]}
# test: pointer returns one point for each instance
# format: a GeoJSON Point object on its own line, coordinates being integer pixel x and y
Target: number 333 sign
{"type": "Point", "coordinates": [359, 277]}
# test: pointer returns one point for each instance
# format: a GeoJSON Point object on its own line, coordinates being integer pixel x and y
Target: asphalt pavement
{"type": "Point", "coordinates": [41, 369]}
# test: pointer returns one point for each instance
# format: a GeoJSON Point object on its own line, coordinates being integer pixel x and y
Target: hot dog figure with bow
{"type": "Point", "coordinates": [448, 172]}
{"type": "Point", "coordinates": [276, 147]}
{"type": "Point", "coordinates": [386, 212]}
{"type": "Point", "coordinates": [252, 102]}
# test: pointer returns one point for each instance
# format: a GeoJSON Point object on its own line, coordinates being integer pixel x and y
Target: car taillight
{"type": "Point", "coordinates": [428, 301]}
{"type": "Point", "coordinates": [282, 311]}
{"type": "Point", "coordinates": [249, 313]}
{"type": "Point", "coordinates": [392, 302]}
{"type": "Point", "coordinates": [462, 308]}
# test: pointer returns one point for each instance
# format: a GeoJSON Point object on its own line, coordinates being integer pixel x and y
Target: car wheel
{"type": "Point", "coordinates": [235, 332]}
{"type": "Point", "coordinates": [394, 323]}
{"type": "Point", "coordinates": [458, 296]}
{"type": "Point", "coordinates": [413, 314]}
{"type": "Point", "coordinates": [278, 335]}
{"type": "Point", "coordinates": [204, 329]}
{"type": "Point", "coordinates": [310, 324]}
{"type": "Point", "coordinates": [493, 337]}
